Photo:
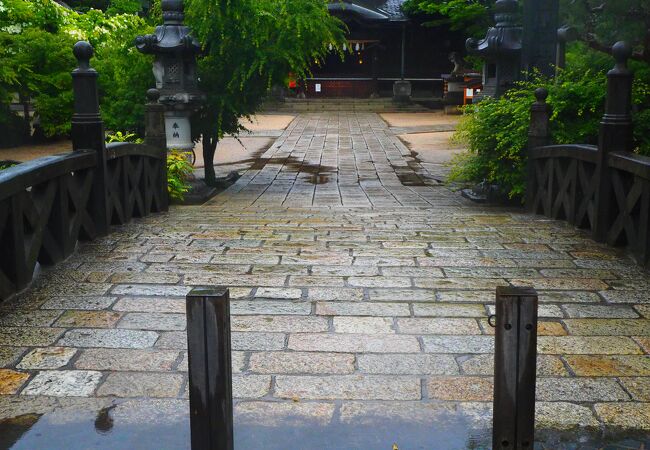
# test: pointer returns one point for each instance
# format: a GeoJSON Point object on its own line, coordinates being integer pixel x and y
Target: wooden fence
{"type": "Point", "coordinates": [603, 188]}
{"type": "Point", "coordinates": [49, 204]}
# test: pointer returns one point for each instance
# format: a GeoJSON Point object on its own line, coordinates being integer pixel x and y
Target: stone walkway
{"type": "Point", "coordinates": [361, 288]}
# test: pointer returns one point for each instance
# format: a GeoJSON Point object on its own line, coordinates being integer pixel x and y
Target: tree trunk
{"type": "Point", "coordinates": [24, 101]}
{"type": "Point", "coordinates": [209, 148]}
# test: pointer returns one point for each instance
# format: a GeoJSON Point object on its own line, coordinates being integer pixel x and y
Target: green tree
{"type": "Point", "coordinates": [124, 7]}
{"type": "Point", "coordinates": [112, 7]}
{"type": "Point", "coordinates": [472, 16]}
{"type": "Point", "coordinates": [249, 46]}
{"type": "Point", "coordinates": [600, 23]}
{"type": "Point", "coordinates": [36, 60]}
{"type": "Point", "coordinates": [45, 60]}
{"type": "Point", "coordinates": [124, 73]}
{"type": "Point", "coordinates": [36, 38]}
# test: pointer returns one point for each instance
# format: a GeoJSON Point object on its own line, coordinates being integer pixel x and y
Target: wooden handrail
{"type": "Point", "coordinates": [120, 149]}
{"type": "Point", "coordinates": [630, 162]}
{"type": "Point", "coordinates": [582, 152]}
{"type": "Point", "coordinates": [31, 173]}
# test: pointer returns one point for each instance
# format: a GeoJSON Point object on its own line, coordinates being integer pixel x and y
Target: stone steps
{"type": "Point", "coordinates": [342, 104]}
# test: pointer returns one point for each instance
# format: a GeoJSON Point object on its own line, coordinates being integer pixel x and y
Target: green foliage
{"type": "Point", "coordinates": [600, 24]}
{"type": "Point", "coordinates": [495, 131]}
{"type": "Point", "coordinates": [178, 171]}
{"type": "Point", "coordinates": [123, 137]}
{"type": "Point", "coordinates": [641, 117]}
{"type": "Point", "coordinates": [36, 38]}
{"type": "Point", "coordinates": [34, 57]}
{"type": "Point", "coordinates": [578, 105]}
{"type": "Point", "coordinates": [250, 45]}
{"type": "Point", "coordinates": [86, 5]}
{"type": "Point", "coordinates": [111, 7]}
{"type": "Point", "coordinates": [124, 7]}
{"type": "Point", "coordinates": [6, 165]}
{"type": "Point", "coordinates": [125, 75]}
{"type": "Point", "coordinates": [471, 16]}
{"type": "Point", "coordinates": [44, 62]}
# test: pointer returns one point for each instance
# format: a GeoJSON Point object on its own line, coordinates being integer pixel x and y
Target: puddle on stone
{"type": "Point", "coordinates": [11, 430]}
{"type": "Point", "coordinates": [318, 178]}
{"type": "Point", "coordinates": [49, 434]}
{"type": "Point", "coordinates": [51, 431]}
{"type": "Point", "coordinates": [145, 425]}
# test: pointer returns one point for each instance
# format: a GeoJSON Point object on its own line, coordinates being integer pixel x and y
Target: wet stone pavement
{"type": "Point", "coordinates": [360, 289]}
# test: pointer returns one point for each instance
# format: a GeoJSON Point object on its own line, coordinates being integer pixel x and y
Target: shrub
{"type": "Point", "coordinates": [178, 171]}
{"type": "Point", "coordinates": [118, 136]}
{"type": "Point", "coordinates": [496, 131]}
{"type": "Point", "coordinates": [641, 116]}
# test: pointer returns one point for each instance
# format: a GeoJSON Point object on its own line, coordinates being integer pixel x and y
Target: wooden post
{"type": "Point", "coordinates": [88, 133]}
{"type": "Point", "coordinates": [539, 135]}
{"type": "Point", "coordinates": [615, 134]}
{"type": "Point", "coordinates": [375, 71]}
{"type": "Point", "coordinates": [155, 136]}
{"type": "Point", "coordinates": [210, 370]}
{"type": "Point", "coordinates": [402, 69]}
{"type": "Point", "coordinates": [515, 366]}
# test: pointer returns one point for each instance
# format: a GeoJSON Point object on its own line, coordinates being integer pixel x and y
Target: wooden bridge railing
{"type": "Point", "coordinates": [135, 175]}
{"type": "Point", "coordinates": [49, 204]}
{"type": "Point", "coordinates": [604, 188]}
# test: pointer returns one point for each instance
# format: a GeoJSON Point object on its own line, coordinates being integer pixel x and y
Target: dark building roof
{"type": "Point", "coordinates": [371, 10]}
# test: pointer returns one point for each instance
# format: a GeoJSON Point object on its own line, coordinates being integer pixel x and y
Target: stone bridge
{"type": "Point", "coordinates": [360, 291]}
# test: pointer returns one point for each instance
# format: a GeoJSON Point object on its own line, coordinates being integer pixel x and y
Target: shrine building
{"type": "Point", "coordinates": [384, 45]}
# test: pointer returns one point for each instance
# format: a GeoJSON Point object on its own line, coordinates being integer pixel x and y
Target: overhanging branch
{"type": "Point", "coordinates": [595, 44]}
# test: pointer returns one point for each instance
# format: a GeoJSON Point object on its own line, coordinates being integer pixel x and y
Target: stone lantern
{"type": "Point", "coordinates": [174, 68]}
{"type": "Point", "coordinates": [501, 50]}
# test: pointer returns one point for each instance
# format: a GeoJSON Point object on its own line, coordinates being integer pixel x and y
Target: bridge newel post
{"type": "Point", "coordinates": [615, 134]}
{"type": "Point", "coordinates": [154, 132]}
{"type": "Point", "coordinates": [88, 133]}
{"type": "Point", "coordinates": [539, 135]}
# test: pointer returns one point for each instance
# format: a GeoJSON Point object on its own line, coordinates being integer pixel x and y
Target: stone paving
{"type": "Point", "coordinates": [360, 285]}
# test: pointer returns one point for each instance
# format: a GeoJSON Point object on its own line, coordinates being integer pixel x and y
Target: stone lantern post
{"type": "Point", "coordinates": [174, 68]}
{"type": "Point", "coordinates": [501, 49]}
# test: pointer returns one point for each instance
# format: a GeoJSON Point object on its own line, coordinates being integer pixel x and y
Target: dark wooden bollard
{"type": "Point", "coordinates": [210, 370]}
{"type": "Point", "coordinates": [515, 366]}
